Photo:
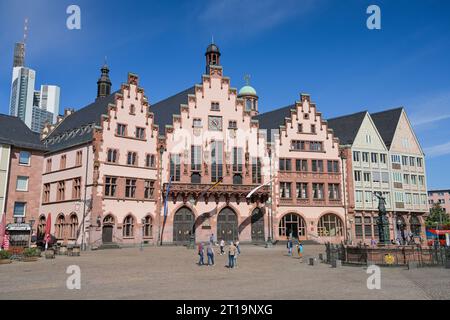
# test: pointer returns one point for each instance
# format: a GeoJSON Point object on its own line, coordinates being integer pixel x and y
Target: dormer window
{"type": "Point", "coordinates": [232, 124]}
{"type": "Point", "coordinates": [121, 130]}
{"type": "Point", "coordinates": [215, 106]}
{"type": "Point", "coordinates": [140, 133]}
{"type": "Point", "coordinates": [197, 123]}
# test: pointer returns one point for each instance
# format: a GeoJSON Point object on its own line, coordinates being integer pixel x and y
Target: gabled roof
{"type": "Point", "coordinates": [386, 123]}
{"type": "Point", "coordinates": [77, 128]}
{"type": "Point", "coordinates": [274, 119]}
{"type": "Point", "coordinates": [15, 132]}
{"type": "Point", "coordinates": [346, 127]}
{"type": "Point", "coordinates": [165, 109]}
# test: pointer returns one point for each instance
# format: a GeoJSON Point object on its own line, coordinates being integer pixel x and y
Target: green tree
{"type": "Point", "coordinates": [437, 217]}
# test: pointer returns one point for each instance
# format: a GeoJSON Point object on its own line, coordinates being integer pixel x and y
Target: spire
{"type": "Point", "coordinates": [212, 56]}
{"type": "Point", "coordinates": [104, 83]}
{"type": "Point", "coordinates": [247, 79]}
{"type": "Point", "coordinates": [19, 48]}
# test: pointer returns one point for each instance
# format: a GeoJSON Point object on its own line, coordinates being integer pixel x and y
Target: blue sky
{"type": "Point", "coordinates": [321, 47]}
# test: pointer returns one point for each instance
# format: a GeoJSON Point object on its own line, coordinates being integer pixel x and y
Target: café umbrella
{"type": "Point", "coordinates": [48, 226]}
{"type": "Point", "coordinates": [2, 228]}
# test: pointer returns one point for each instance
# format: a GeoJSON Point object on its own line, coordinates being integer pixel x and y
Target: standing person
{"type": "Point", "coordinates": [210, 254]}
{"type": "Point", "coordinates": [222, 245]}
{"type": "Point", "coordinates": [231, 254]}
{"type": "Point", "coordinates": [238, 247]}
{"type": "Point", "coordinates": [373, 242]}
{"type": "Point", "coordinates": [211, 239]}
{"type": "Point", "coordinates": [238, 252]}
{"type": "Point", "coordinates": [289, 246]}
{"type": "Point", "coordinates": [201, 253]}
{"type": "Point", "coordinates": [300, 250]}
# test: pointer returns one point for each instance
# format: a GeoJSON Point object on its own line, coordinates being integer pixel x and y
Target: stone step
{"type": "Point", "coordinates": [106, 246]}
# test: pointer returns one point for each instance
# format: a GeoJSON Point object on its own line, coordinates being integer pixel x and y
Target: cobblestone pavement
{"type": "Point", "coordinates": [172, 273]}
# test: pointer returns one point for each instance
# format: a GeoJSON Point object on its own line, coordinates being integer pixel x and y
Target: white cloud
{"type": "Point", "coordinates": [430, 109]}
{"type": "Point", "coordinates": [438, 150]}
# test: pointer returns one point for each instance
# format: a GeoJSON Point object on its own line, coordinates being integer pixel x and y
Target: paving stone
{"type": "Point", "coordinates": [173, 273]}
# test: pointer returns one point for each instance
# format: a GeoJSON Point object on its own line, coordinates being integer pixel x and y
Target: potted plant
{"type": "Point", "coordinates": [49, 254]}
{"type": "Point", "coordinates": [76, 250]}
{"type": "Point", "coordinates": [30, 254]}
{"type": "Point", "coordinates": [5, 257]}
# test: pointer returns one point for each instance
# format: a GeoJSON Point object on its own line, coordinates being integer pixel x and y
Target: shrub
{"type": "Point", "coordinates": [5, 254]}
{"type": "Point", "coordinates": [31, 252]}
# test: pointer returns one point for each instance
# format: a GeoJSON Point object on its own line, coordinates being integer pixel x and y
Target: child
{"type": "Point", "coordinates": [222, 245]}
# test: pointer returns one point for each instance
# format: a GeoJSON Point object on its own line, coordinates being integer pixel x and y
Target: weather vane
{"type": "Point", "coordinates": [247, 79]}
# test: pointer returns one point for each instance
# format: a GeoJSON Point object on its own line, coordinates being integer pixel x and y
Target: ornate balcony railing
{"type": "Point", "coordinates": [222, 192]}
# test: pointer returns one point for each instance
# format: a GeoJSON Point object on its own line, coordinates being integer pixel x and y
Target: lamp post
{"type": "Point", "coordinates": [161, 152]}
{"type": "Point", "coordinates": [32, 221]}
{"type": "Point", "coordinates": [343, 158]}
{"type": "Point", "coordinates": [269, 202]}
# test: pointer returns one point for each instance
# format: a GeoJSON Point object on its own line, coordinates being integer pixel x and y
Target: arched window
{"type": "Point", "coordinates": [128, 227]}
{"type": "Point", "coordinates": [330, 225]}
{"type": "Point", "coordinates": [416, 226]}
{"type": "Point", "coordinates": [59, 226]}
{"type": "Point", "coordinates": [237, 179]}
{"type": "Point", "coordinates": [148, 227]}
{"type": "Point", "coordinates": [73, 227]}
{"type": "Point", "coordinates": [109, 219]}
{"type": "Point", "coordinates": [41, 227]}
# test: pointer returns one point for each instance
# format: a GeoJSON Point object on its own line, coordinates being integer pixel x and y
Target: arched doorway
{"type": "Point", "coordinates": [227, 225]}
{"type": "Point", "coordinates": [292, 225]}
{"type": "Point", "coordinates": [183, 225]}
{"type": "Point", "coordinates": [415, 226]}
{"type": "Point", "coordinates": [107, 230]}
{"type": "Point", "coordinates": [258, 225]}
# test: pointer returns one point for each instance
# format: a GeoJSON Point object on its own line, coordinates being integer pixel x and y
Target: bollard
{"type": "Point", "coordinates": [321, 257]}
{"type": "Point", "coordinates": [336, 263]}
{"type": "Point", "coordinates": [311, 261]}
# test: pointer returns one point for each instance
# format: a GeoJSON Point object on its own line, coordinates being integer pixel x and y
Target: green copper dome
{"type": "Point", "coordinates": [247, 91]}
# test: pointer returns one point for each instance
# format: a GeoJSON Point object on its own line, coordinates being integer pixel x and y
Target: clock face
{"type": "Point", "coordinates": [215, 123]}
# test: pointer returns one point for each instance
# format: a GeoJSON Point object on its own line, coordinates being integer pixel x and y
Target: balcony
{"type": "Point", "coordinates": [222, 192]}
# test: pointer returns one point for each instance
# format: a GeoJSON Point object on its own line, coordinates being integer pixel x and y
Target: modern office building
{"type": "Point", "coordinates": [45, 107]}
{"type": "Point", "coordinates": [22, 94]}
{"type": "Point", "coordinates": [33, 107]}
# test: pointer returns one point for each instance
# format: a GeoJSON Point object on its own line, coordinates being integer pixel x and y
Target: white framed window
{"type": "Point", "coordinates": [22, 183]}
{"type": "Point", "coordinates": [19, 209]}
{"type": "Point", "coordinates": [24, 158]}
{"type": "Point", "coordinates": [395, 158]}
{"type": "Point", "coordinates": [359, 197]}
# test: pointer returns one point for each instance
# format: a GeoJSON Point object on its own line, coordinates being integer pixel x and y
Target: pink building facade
{"type": "Point", "coordinates": [441, 197]}
{"type": "Point", "coordinates": [123, 171]}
